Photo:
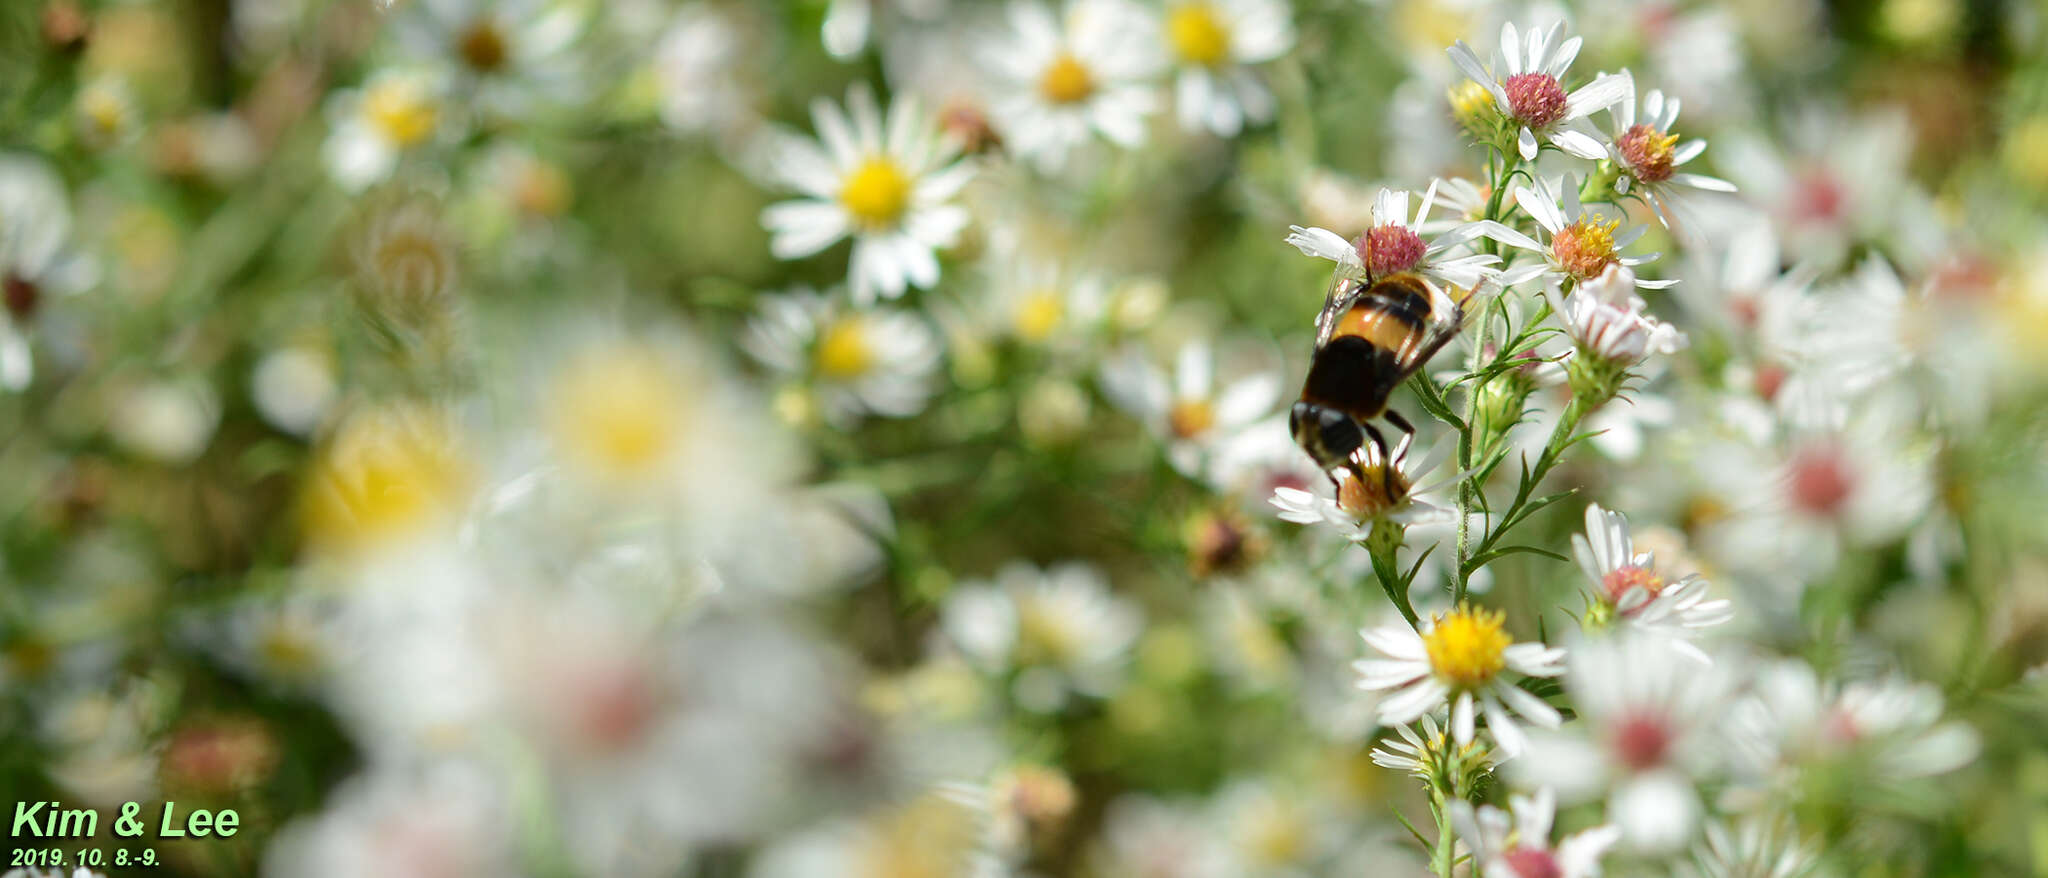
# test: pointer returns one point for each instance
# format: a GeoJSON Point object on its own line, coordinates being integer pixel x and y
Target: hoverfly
{"type": "Point", "coordinates": [1371, 335]}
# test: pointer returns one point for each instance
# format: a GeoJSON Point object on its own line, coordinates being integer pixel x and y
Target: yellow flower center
{"type": "Point", "coordinates": [1586, 247]}
{"type": "Point", "coordinates": [619, 412]}
{"type": "Point", "coordinates": [385, 475]}
{"type": "Point", "coordinates": [843, 351]}
{"type": "Point", "coordinates": [1471, 103]}
{"type": "Point", "coordinates": [1189, 418]}
{"type": "Point", "coordinates": [1381, 491]}
{"type": "Point", "coordinates": [932, 836]}
{"type": "Point", "coordinates": [1466, 647]}
{"type": "Point", "coordinates": [400, 111]}
{"type": "Point", "coordinates": [1066, 80]}
{"type": "Point", "coordinates": [1198, 34]}
{"type": "Point", "coordinates": [876, 193]}
{"type": "Point", "coordinates": [1038, 314]}
{"type": "Point", "coordinates": [1044, 637]}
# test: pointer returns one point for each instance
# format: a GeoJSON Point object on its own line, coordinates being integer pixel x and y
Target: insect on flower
{"type": "Point", "coordinates": [1370, 336]}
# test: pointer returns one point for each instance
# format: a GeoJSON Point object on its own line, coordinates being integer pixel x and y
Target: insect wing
{"type": "Point", "coordinates": [1344, 292]}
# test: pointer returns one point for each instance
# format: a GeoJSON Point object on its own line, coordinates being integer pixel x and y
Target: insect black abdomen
{"type": "Point", "coordinates": [1352, 375]}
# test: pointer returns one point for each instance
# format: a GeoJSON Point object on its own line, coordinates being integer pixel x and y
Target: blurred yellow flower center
{"type": "Point", "coordinates": [931, 837]}
{"type": "Point", "coordinates": [1043, 637]}
{"type": "Point", "coordinates": [1189, 418]}
{"type": "Point", "coordinates": [400, 112]}
{"type": "Point", "coordinates": [619, 412]}
{"type": "Point", "coordinates": [1470, 102]}
{"type": "Point", "coordinates": [1066, 80]}
{"type": "Point", "coordinates": [876, 193]}
{"type": "Point", "coordinates": [2026, 152]}
{"type": "Point", "coordinates": [1430, 25]}
{"type": "Point", "coordinates": [843, 350]}
{"type": "Point", "coordinates": [1586, 247]}
{"type": "Point", "coordinates": [386, 475]}
{"type": "Point", "coordinates": [1277, 836]}
{"type": "Point", "coordinates": [1039, 314]}
{"type": "Point", "coordinates": [1467, 646]}
{"type": "Point", "coordinates": [1198, 34]}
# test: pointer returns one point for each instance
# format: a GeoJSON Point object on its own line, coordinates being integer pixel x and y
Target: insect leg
{"type": "Point", "coordinates": [1407, 433]}
{"type": "Point", "coordinates": [1386, 463]}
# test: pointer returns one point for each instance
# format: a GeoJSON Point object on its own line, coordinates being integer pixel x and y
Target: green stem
{"type": "Point", "coordinates": [1468, 487]}
{"type": "Point", "coordinates": [1445, 856]}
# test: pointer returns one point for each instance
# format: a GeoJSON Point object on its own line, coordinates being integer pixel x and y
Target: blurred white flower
{"type": "Point", "coordinates": [1459, 658]}
{"type": "Point", "coordinates": [293, 388]}
{"type": "Point", "coordinates": [36, 257]}
{"type": "Point", "coordinates": [1755, 847]}
{"type": "Point", "coordinates": [1187, 410]}
{"type": "Point", "coordinates": [1214, 43]}
{"type": "Point", "coordinates": [1891, 728]}
{"type": "Point", "coordinates": [372, 127]}
{"type": "Point", "coordinates": [1518, 846]}
{"type": "Point", "coordinates": [856, 361]}
{"type": "Point", "coordinates": [509, 57]}
{"type": "Point", "coordinates": [166, 421]}
{"type": "Point", "coordinates": [1060, 629]}
{"type": "Point", "coordinates": [1526, 84]}
{"type": "Point", "coordinates": [1647, 727]}
{"type": "Point", "coordinates": [445, 819]}
{"type": "Point", "coordinates": [945, 831]}
{"type": "Point", "coordinates": [698, 65]}
{"type": "Point", "coordinates": [889, 187]}
{"type": "Point", "coordinates": [1064, 74]}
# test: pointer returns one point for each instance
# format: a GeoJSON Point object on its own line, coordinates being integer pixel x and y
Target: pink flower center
{"type": "Point", "coordinates": [1641, 742]}
{"type": "Point", "coordinates": [1533, 863]}
{"type": "Point", "coordinates": [1648, 152]}
{"type": "Point", "coordinates": [1389, 248]}
{"type": "Point", "coordinates": [1621, 580]}
{"type": "Point", "coordinates": [1821, 481]}
{"type": "Point", "coordinates": [1770, 378]}
{"type": "Point", "coordinates": [1535, 99]}
{"type": "Point", "coordinates": [1818, 196]}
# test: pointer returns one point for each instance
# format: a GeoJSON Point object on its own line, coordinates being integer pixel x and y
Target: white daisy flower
{"type": "Point", "coordinates": [1187, 409]}
{"type": "Point", "coordinates": [1394, 243]}
{"type": "Point", "coordinates": [1461, 657]}
{"type": "Point", "coordinates": [1431, 756]}
{"type": "Point", "coordinates": [701, 68]}
{"type": "Point", "coordinates": [1060, 629]}
{"type": "Point", "coordinates": [857, 361]}
{"type": "Point", "coordinates": [891, 189]}
{"type": "Point", "coordinates": [1213, 44]}
{"type": "Point", "coordinates": [1630, 587]}
{"type": "Point", "coordinates": [1038, 298]}
{"type": "Point", "coordinates": [1646, 726]}
{"type": "Point", "coordinates": [1607, 320]}
{"type": "Point", "coordinates": [1391, 491]}
{"type": "Point", "coordinates": [1891, 730]}
{"type": "Point", "coordinates": [1577, 243]}
{"type": "Point", "coordinates": [511, 56]}
{"type": "Point", "coordinates": [1650, 155]}
{"type": "Point", "coordinates": [1526, 87]}
{"type": "Point", "coordinates": [1086, 68]}
{"type": "Point", "coordinates": [36, 257]}
{"type": "Point", "coordinates": [1758, 847]}
{"type": "Point", "coordinates": [1517, 844]}
{"type": "Point", "coordinates": [394, 112]}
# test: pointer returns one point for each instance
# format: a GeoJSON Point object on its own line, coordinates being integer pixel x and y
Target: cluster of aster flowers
{"type": "Point", "coordinates": [850, 438]}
